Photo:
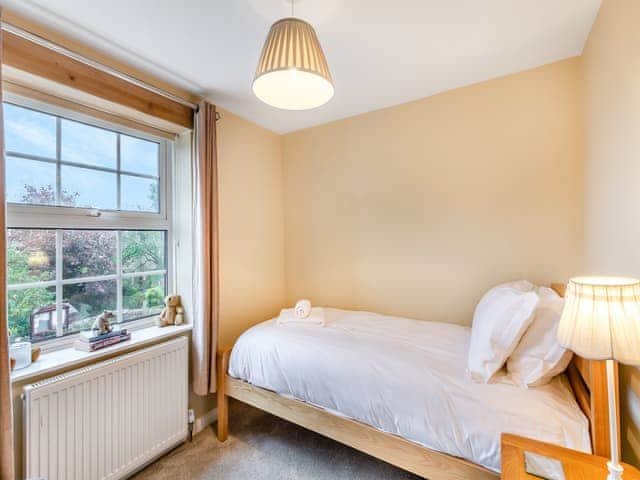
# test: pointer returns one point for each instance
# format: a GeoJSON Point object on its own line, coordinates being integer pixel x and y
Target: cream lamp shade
{"type": "Point", "coordinates": [601, 319]}
{"type": "Point", "coordinates": [293, 73]}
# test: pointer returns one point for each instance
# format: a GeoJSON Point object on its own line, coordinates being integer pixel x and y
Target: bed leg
{"type": "Point", "coordinates": [222, 366]}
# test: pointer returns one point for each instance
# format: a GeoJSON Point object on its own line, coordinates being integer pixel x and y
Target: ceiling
{"type": "Point", "coordinates": [381, 53]}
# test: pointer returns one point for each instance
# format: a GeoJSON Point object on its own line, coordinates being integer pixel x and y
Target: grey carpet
{"type": "Point", "coordinates": [263, 447]}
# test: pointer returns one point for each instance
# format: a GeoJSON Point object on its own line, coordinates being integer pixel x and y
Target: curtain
{"type": "Point", "coordinates": [205, 250]}
{"type": "Point", "coordinates": [6, 402]}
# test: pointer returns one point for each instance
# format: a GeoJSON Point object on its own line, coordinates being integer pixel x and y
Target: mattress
{"type": "Point", "coordinates": [408, 378]}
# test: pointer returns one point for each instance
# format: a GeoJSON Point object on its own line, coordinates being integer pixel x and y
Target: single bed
{"type": "Point", "coordinates": [398, 389]}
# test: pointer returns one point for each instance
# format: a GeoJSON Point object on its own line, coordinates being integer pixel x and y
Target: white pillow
{"type": "Point", "coordinates": [502, 316]}
{"type": "Point", "coordinates": [539, 357]}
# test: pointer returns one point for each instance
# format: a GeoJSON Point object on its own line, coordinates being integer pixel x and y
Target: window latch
{"type": "Point", "coordinates": [94, 213]}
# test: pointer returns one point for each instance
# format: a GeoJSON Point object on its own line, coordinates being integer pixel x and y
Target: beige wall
{"type": "Point", "coordinates": [251, 225]}
{"type": "Point", "coordinates": [611, 63]}
{"type": "Point", "coordinates": [417, 209]}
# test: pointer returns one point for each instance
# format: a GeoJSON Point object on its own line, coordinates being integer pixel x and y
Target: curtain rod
{"type": "Point", "coordinates": [43, 42]}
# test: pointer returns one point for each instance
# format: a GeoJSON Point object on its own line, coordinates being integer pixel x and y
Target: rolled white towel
{"type": "Point", "coordinates": [288, 315]}
{"type": "Point", "coordinates": [302, 308]}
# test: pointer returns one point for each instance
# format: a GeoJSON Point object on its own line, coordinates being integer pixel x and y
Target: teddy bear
{"type": "Point", "coordinates": [168, 314]}
{"type": "Point", "coordinates": [179, 315]}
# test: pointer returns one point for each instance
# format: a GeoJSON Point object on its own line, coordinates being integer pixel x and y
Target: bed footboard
{"type": "Point", "coordinates": [222, 365]}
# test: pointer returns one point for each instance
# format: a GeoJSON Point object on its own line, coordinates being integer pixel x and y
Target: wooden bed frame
{"type": "Point", "coordinates": [587, 378]}
{"type": "Point", "coordinates": [576, 465]}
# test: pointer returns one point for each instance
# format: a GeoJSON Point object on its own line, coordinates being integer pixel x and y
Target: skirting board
{"type": "Point", "coordinates": [205, 420]}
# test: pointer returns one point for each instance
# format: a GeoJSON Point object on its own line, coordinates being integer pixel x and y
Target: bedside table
{"type": "Point", "coordinates": [577, 465]}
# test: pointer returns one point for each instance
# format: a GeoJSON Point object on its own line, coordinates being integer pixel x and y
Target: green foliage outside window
{"type": "Point", "coordinates": [85, 253]}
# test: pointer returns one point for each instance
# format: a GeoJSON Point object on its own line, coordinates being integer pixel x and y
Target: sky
{"type": "Point", "coordinates": [33, 133]}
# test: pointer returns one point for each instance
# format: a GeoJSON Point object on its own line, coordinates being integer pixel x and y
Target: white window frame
{"type": "Point", "coordinates": [60, 217]}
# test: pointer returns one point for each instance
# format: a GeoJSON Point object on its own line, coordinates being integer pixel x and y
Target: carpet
{"type": "Point", "coordinates": [264, 447]}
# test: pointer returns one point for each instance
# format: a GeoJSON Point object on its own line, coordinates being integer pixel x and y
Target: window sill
{"type": "Point", "coordinates": [66, 342]}
{"type": "Point", "coordinates": [70, 357]}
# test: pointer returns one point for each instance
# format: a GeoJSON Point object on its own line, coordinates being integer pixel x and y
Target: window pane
{"type": "Point", "coordinates": [139, 194]}
{"type": "Point", "coordinates": [30, 181]}
{"type": "Point", "coordinates": [139, 156]}
{"type": "Point", "coordinates": [29, 132]}
{"type": "Point", "coordinates": [86, 301]}
{"type": "Point", "coordinates": [31, 256]}
{"type": "Point", "coordinates": [82, 143]}
{"type": "Point", "coordinates": [88, 253]}
{"type": "Point", "coordinates": [90, 188]}
{"type": "Point", "coordinates": [142, 251]}
{"type": "Point", "coordinates": [32, 313]}
{"type": "Point", "coordinates": [142, 296]}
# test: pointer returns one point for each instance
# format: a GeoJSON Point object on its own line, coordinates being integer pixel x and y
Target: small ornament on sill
{"type": "Point", "coordinates": [102, 324]}
{"type": "Point", "coordinates": [172, 313]}
{"type": "Point", "coordinates": [101, 335]}
{"type": "Point", "coordinates": [35, 354]}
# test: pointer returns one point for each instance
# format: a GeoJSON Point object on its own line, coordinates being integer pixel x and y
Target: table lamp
{"type": "Point", "coordinates": [601, 321]}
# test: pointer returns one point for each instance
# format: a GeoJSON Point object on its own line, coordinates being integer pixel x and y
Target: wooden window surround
{"type": "Point", "coordinates": [28, 59]}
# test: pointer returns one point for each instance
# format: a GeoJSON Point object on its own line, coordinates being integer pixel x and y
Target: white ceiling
{"type": "Point", "coordinates": [380, 52]}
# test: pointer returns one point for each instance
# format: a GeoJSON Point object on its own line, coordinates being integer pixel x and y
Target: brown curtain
{"type": "Point", "coordinates": [205, 252]}
{"type": "Point", "coordinates": [6, 402]}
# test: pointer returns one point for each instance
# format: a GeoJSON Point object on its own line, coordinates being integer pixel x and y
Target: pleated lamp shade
{"type": "Point", "coordinates": [601, 319]}
{"type": "Point", "coordinates": [293, 73]}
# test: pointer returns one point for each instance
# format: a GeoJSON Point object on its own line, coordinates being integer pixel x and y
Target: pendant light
{"type": "Point", "coordinates": [293, 73]}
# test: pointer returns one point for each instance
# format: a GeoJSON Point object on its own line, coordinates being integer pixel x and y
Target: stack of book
{"type": "Point", "coordinates": [90, 342]}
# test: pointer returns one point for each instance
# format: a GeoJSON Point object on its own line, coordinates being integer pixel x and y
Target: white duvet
{"type": "Point", "coordinates": [405, 377]}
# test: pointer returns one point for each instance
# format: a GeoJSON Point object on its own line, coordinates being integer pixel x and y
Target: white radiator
{"type": "Point", "coordinates": [109, 419]}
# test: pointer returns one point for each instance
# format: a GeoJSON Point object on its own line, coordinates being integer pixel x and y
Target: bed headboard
{"type": "Point", "coordinates": [588, 379]}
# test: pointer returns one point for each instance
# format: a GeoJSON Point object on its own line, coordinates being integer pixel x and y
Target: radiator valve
{"type": "Point", "coordinates": [191, 415]}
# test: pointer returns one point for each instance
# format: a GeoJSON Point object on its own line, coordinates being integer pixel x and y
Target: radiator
{"type": "Point", "coordinates": [109, 419]}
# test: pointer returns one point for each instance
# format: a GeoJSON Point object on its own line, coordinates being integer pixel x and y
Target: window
{"type": "Point", "coordinates": [88, 221]}
{"type": "Point", "coordinates": [55, 161]}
